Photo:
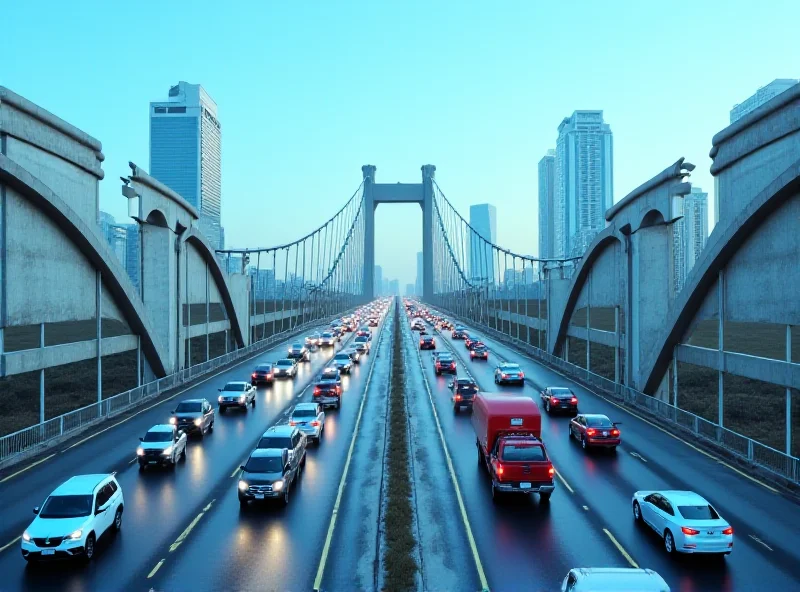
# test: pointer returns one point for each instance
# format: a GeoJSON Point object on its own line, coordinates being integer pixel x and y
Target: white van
{"type": "Point", "coordinates": [613, 579]}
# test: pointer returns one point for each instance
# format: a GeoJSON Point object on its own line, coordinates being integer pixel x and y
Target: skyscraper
{"type": "Point", "coordinates": [418, 283]}
{"type": "Point", "coordinates": [483, 219]}
{"type": "Point", "coordinates": [584, 181]}
{"type": "Point", "coordinates": [394, 288]}
{"type": "Point", "coordinates": [762, 95]}
{"type": "Point", "coordinates": [547, 193]}
{"type": "Point", "coordinates": [124, 241]}
{"type": "Point", "coordinates": [409, 289]}
{"type": "Point", "coordinates": [689, 235]}
{"type": "Point", "coordinates": [185, 152]}
{"type": "Point", "coordinates": [378, 280]}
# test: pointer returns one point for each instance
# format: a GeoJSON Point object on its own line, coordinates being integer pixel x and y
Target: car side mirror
{"type": "Point", "coordinates": [241, 467]}
{"type": "Point", "coordinates": [141, 439]}
{"type": "Point", "coordinates": [287, 468]}
{"type": "Point", "coordinates": [36, 510]}
{"type": "Point", "coordinates": [449, 385]}
{"type": "Point", "coordinates": [220, 390]}
{"type": "Point", "coordinates": [172, 412]}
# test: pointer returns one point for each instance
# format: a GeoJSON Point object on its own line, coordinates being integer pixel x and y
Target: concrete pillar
{"type": "Point", "coordinates": [675, 376]}
{"type": "Point", "coordinates": [721, 344]}
{"type": "Point", "coordinates": [41, 376]}
{"type": "Point", "coordinates": [788, 393]}
{"type": "Point", "coordinates": [368, 277]}
{"type": "Point", "coordinates": [99, 313]}
{"type": "Point", "coordinates": [3, 287]}
{"type": "Point", "coordinates": [138, 360]}
{"type": "Point", "coordinates": [588, 323]}
{"type": "Point", "coordinates": [428, 174]}
{"type": "Point", "coordinates": [208, 310]}
{"type": "Point", "coordinates": [616, 344]}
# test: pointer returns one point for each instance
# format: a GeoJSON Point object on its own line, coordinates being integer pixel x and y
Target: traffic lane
{"type": "Point", "coordinates": [353, 556]}
{"type": "Point", "coordinates": [754, 509]}
{"type": "Point", "coordinates": [105, 448]}
{"type": "Point", "coordinates": [606, 482]}
{"type": "Point", "coordinates": [157, 502]}
{"type": "Point", "coordinates": [265, 546]}
{"type": "Point", "coordinates": [519, 539]}
{"type": "Point", "coordinates": [447, 561]}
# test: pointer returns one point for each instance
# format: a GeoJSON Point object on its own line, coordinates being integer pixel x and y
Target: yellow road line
{"type": "Point", "coordinates": [155, 569]}
{"type": "Point", "coordinates": [30, 466]}
{"type": "Point", "coordinates": [564, 481]}
{"type": "Point", "coordinates": [236, 470]}
{"type": "Point", "coordinates": [620, 549]}
{"type": "Point", "coordinates": [189, 528]}
{"type": "Point", "coordinates": [7, 545]}
{"type": "Point", "coordinates": [329, 536]}
{"type": "Point", "coordinates": [462, 508]}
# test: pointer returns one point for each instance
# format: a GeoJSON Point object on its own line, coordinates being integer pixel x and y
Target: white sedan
{"type": "Point", "coordinates": [309, 419]}
{"type": "Point", "coordinates": [685, 520]}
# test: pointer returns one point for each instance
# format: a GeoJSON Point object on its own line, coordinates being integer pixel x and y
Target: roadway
{"type": "Point", "coordinates": [183, 528]}
{"type": "Point", "coordinates": [523, 540]}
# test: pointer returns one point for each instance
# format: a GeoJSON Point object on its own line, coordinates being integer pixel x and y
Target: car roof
{"type": "Point", "coordinates": [192, 401]}
{"type": "Point", "coordinates": [162, 427]}
{"type": "Point", "coordinates": [236, 382]}
{"type": "Point", "coordinates": [297, 344]}
{"type": "Point", "coordinates": [508, 364]}
{"type": "Point", "coordinates": [687, 498]}
{"type": "Point", "coordinates": [622, 578]}
{"type": "Point", "coordinates": [80, 484]}
{"type": "Point", "coordinates": [266, 453]}
{"type": "Point", "coordinates": [264, 365]}
{"type": "Point", "coordinates": [306, 406]}
{"type": "Point", "coordinates": [286, 361]}
{"type": "Point", "coordinates": [595, 416]}
{"type": "Point", "coordinates": [281, 430]}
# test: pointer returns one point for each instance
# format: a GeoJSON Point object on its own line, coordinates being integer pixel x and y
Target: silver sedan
{"type": "Point", "coordinates": [309, 418]}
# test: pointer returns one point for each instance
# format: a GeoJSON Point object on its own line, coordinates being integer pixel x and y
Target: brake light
{"type": "Point", "coordinates": [499, 469]}
{"type": "Point", "coordinates": [254, 374]}
{"type": "Point", "coordinates": [551, 471]}
{"type": "Point", "coordinates": [522, 375]}
{"type": "Point", "coordinates": [554, 400]}
{"type": "Point", "coordinates": [591, 432]}
{"type": "Point", "coordinates": [728, 530]}
{"type": "Point", "coordinates": [689, 531]}
{"type": "Point", "coordinates": [457, 397]}
{"type": "Point", "coordinates": [421, 341]}
{"type": "Point", "coordinates": [574, 400]}
{"type": "Point", "coordinates": [317, 390]}
{"type": "Point", "coordinates": [505, 375]}
{"type": "Point", "coordinates": [315, 424]}
{"type": "Point", "coordinates": [292, 423]}
{"type": "Point", "coordinates": [453, 365]}
{"type": "Point", "coordinates": [615, 432]}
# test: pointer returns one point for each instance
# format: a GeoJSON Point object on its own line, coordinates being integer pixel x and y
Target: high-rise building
{"type": "Point", "coordinates": [547, 194]}
{"type": "Point", "coordinates": [409, 289]}
{"type": "Point", "coordinates": [690, 234]}
{"type": "Point", "coordinates": [221, 237]}
{"type": "Point", "coordinates": [418, 283]}
{"type": "Point", "coordinates": [185, 152]}
{"type": "Point", "coordinates": [378, 280]}
{"type": "Point", "coordinates": [394, 287]}
{"type": "Point", "coordinates": [124, 241]}
{"type": "Point", "coordinates": [762, 95]}
{"type": "Point", "coordinates": [584, 181]}
{"type": "Point", "coordinates": [483, 219]}
{"type": "Point", "coordinates": [385, 287]}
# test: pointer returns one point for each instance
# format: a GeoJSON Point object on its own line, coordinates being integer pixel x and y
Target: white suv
{"type": "Point", "coordinates": [73, 517]}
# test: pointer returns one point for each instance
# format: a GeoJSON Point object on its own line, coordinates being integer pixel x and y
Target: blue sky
{"type": "Point", "coordinates": [308, 92]}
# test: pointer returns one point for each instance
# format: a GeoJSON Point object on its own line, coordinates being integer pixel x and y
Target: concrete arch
{"type": "Point", "coordinates": [157, 218]}
{"type": "Point", "coordinates": [198, 241]}
{"type": "Point", "coordinates": [601, 242]}
{"type": "Point", "coordinates": [95, 250]}
{"type": "Point", "coordinates": [714, 258]}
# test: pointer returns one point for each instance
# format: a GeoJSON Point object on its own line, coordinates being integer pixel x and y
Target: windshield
{"type": "Point", "coordinates": [297, 346]}
{"type": "Point", "coordinates": [523, 453]}
{"type": "Point", "coordinates": [342, 358]}
{"type": "Point", "coordinates": [157, 437]}
{"type": "Point", "coordinates": [66, 506]}
{"type": "Point", "coordinates": [304, 413]}
{"type": "Point", "coordinates": [362, 339]}
{"type": "Point", "coordinates": [599, 422]}
{"type": "Point", "coordinates": [327, 334]}
{"type": "Point", "coordinates": [698, 512]}
{"type": "Point", "coordinates": [510, 368]}
{"type": "Point", "coordinates": [467, 387]}
{"type": "Point", "coordinates": [285, 363]}
{"type": "Point", "coordinates": [264, 464]}
{"type": "Point", "coordinates": [236, 386]}
{"type": "Point", "coordinates": [189, 408]}
{"type": "Point", "coordinates": [561, 392]}
{"type": "Point", "coordinates": [275, 442]}
{"type": "Point", "coordinates": [263, 368]}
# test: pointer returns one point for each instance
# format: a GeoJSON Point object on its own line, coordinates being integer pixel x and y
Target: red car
{"type": "Point", "coordinates": [596, 431]}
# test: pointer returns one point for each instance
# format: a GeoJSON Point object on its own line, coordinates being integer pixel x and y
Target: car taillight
{"type": "Point", "coordinates": [591, 432]}
{"type": "Point", "coordinates": [551, 471]}
{"type": "Point", "coordinates": [499, 469]}
{"type": "Point", "coordinates": [505, 375]}
{"type": "Point", "coordinates": [615, 432]}
{"type": "Point", "coordinates": [522, 375]}
{"type": "Point", "coordinates": [254, 374]}
{"type": "Point", "coordinates": [421, 341]}
{"type": "Point", "coordinates": [453, 365]}
{"type": "Point", "coordinates": [689, 531]}
{"type": "Point", "coordinates": [317, 390]}
{"type": "Point", "coordinates": [457, 397]}
{"type": "Point", "coordinates": [574, 400]}
{"type": "Point", "coordinates": [292, 423]}
{"type": "Point", "coordinates": [315, 424]}
{"type": "Point", "coordinates": [554, 400]}
{"type": "Point", "coordinates": [728, 530]}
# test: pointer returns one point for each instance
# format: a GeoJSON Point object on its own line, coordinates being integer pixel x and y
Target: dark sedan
{"type": "Point", "coordinates": [559, 399]}
{"type": "Point", "coordinates": [263, 374]}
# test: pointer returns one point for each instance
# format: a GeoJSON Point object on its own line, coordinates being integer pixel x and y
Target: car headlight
{"type": "Point", "coordinates": [219, 399]}
{"type": "Point", "coordinates": [168, 450]}
{"type": "Point", "coordinates": [26, 537]}
{"type": "Point", "coordinates": [277, 486]}
{"type": "Point", "coordinates": [243, 485]}
{"type": "Point", "coordinates": [140, 451]}
{"type": "Point", "coordinates": [198, 421]}
{"type": "Point", "coordinates": [242, 398]}
{"type": "Point", "coordinates": [173, 420]}
{"type": "Point", "coordinates": [76, 535]}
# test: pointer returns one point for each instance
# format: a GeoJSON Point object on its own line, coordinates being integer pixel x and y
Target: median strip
{"type": "Point", "coordinates": [400, 567]}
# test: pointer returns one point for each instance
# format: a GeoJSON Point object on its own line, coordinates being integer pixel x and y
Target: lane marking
{"type": "Point", "coordinates": [335, 513]}
{"type": "Point", "coordinates": [621, 550]}
{"type": "Point", "coordinates": [7, 545]}
{"type": "Point", "coordinates": [133, 460]}
{"type": "Point", "coordinates": [236, 470]}
{"type": "Point", "coordinates": [636, 415]}
{"type": "Point", "coordinates": [30, 466]}
{"type": "Point", "coordinates": [639, 456]}
{"type": "Point", "coordinates": [179, 541]}
{"type": "Point", "coordinates": [155, 569]}
{"type": "Point", "coordinates": [586, 508]}
{"type": "Point", "coordinates": [462, 508]}
{"type": "Point", "coordinates": [564, 481]}
{"type": "Point", "coordinates": [755, 538]}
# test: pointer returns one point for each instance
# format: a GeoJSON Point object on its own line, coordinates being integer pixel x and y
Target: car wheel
{"type": "Point", "coordinates": [253, 402]}
{"type": "Point", "coordinates": [118, 520]}
{"type": "Point", "coordinates": [183, 453]}
{"type": "Point", "coordinates": [495, 494]}
{"type": "Point", "coordinates": [211, 427]}
{"type": "Point", "coordinates": [88, 548]}
{"type": "Point", "coordinates": [545, 497]}
{"type": "Point", "coordinates": [669, 542]}
{"type": "Point", "coordinates": [285, 498]}
{"type": "Point", "coordinates": [583, 442]}
{"type": "Point", "coordinates": [637, 512]}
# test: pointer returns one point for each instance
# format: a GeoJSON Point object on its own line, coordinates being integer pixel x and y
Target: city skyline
{"type": "Point", "coordinates": [483, 220]}
{"type": "Point", "coordinates": [546, 174]}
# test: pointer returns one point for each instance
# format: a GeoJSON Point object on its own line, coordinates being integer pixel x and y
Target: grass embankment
{"type": "Point", "coordinates": [400, 566]}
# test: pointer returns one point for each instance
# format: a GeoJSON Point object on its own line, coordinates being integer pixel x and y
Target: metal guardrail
{"type": "Point", "coordinates": [741, 446]}
{"type": "Point", "coordinates": [33, 439]}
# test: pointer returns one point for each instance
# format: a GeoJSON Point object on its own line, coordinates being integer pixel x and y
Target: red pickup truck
{"type": "Point", "coordinates": [508, 430]}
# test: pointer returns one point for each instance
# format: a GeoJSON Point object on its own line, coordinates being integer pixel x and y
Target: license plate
{"type": "Point", "coordinates": [524, 485]}
{"type": "Point", "coordinates": [48, 552]}
{"type": "Point", "coordinates": [259, 496]}
{"type": "Point", "coordinates": [605, 433]}
{"type": "Point", "coordinates": [153, 462]}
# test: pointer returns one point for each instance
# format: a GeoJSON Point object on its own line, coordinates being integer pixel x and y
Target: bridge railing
{"type": "Point", "coordinates": [736, 444]}
{"type": "Point", "coordinates": [32, 440]}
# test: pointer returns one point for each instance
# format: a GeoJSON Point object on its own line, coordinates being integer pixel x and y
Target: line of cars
{"type": "Point", "coordinates": [508, 438]}
{"type": "Point", "coordinates": [85, 507]}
